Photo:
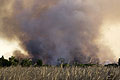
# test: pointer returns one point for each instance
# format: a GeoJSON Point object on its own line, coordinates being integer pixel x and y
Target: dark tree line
{"type": "Point", "coordinates": [12, 61]}
{"type": "Point", "coordinates": [114, 64]}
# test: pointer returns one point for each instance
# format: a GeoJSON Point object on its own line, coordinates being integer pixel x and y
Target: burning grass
{"type": "Point", "coordinates": [57, 73]}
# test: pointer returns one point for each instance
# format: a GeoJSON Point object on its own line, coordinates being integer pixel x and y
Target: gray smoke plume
{"type": "Point", "coordinates": [52, 29]}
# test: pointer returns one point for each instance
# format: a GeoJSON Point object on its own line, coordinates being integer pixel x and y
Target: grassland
{"type": "Point", "coordinates": [56, 73]}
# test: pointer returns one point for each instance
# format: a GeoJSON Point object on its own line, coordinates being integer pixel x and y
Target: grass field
{"type": "Point", "coordinates": [56, 73]}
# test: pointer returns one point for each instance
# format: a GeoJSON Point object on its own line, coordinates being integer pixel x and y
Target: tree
{"type": "Point", "coordinates": [4, 62]}
{"type": "Point", "coordinates": [119, 62]}
{"type": "Point", "coordinates": [26, 62]}
{"type": "Point", "coordinates": [14, 61]}
{"type": "Point", "coordinates": [39, 62]}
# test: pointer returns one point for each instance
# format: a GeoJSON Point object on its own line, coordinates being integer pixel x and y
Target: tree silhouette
{"type": "Point", "coordinates": [119, 62]}
{"type": "Point", "coordinates": [4, 62]}
{"type": "Point", "coordinates": [39, 62]}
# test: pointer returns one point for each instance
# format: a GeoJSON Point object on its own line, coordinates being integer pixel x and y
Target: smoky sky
{"type": "Point", "coordinates": [52, 29]}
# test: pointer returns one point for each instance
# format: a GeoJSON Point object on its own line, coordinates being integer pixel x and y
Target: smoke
{"type": "Point", "coordinates": [19, 55]}
{"type": "Point", "coordinates": [52, 29]}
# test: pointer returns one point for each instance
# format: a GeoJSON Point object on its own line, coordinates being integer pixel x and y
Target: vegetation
{"type": "Point", "coordinates": [119, 62]}
{"type": "Point", "coordinates": [26, 69]}
{"type": "Point", "coordinates": [26, 62]}
{"type": "Point", "coordinates": [39, 62]}
{"type": "Point", "coordinates": [61, 63]}
{"type": "Point", "coordinates": [22, 62]}
{"type": "Point", "coordinates": [4, 62]}
{"type": "Point", "coordinates": [13, 61]}
{"type": "Point", "coordinates": [114, 65]}
{"type": "Point", "coordinates": [57, 73]}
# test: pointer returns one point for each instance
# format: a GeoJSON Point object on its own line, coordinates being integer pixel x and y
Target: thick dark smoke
{"type": "Point", "coordinates": [52, 29]}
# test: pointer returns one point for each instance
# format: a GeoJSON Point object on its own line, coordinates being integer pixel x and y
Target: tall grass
{"type": "Point", "coordinates": [56, 73]}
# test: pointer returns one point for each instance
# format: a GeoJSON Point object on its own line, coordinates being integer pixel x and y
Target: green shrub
{"type": "Point", "coordinates": [26, 62]}
{"type": "Point", "coordinates": [13, 61]}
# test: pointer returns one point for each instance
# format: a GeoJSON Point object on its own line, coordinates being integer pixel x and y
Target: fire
{"type": "Point", "coordinates": [8, 47]}
{"type": "Point", "coordinates": [111, 37]}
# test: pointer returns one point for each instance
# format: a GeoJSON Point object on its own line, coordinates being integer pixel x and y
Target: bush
{"type": "Point", "coordinates": [13, 61]}
{"type": "Point", "coordinates": [39, 62]}
{"type": "Point", "coordinates": [119, 62]}
{"type": "Point", "coordinates": [4, 62]}
{"type": "Point", "coordinates": [26, 62]}
{"type": "Point", "coordinates": [66, 65]}
{"type": "Point", "coordinates": [111, 65]}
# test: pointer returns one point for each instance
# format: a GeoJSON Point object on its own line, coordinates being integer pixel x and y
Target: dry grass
{"type": "Point", "coordinates": [54, 73]}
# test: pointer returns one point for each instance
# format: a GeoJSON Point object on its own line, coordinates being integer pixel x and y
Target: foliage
{"type": "Point", "coordinates": [61, 63]}
{"type": "Point", "coordinates": [66, 65]}
{"type": "Point", "coordinates": [39, 62]}
{"type": "Point", "coordinates": [13, 61]}
{"type": "Point", "coordinates": [26, 62]}
{"type": "Point", "coordinates": [119, 62]}
{"type": "Point", "coordinates": [83, 65]}
{"type": "Point", "coordinates": [4, 62]}
{"type": "Point", "coordinates": [112, 65]}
